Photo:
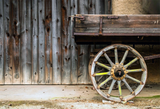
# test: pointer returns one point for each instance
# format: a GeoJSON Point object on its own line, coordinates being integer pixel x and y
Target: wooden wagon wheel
{"type": "Point", "coordinates": [119, 72]}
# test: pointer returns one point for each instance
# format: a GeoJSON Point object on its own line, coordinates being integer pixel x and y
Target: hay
{"type": "Point", "coordinates": [130, 6]}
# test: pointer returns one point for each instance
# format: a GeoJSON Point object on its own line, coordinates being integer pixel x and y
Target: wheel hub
{"type": "Point", "coordinates": [118, 72]}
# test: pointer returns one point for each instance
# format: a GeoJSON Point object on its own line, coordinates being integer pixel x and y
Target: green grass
{"type": "Point", "coordinates": [156, 96]}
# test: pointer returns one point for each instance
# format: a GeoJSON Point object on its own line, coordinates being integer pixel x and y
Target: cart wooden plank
{"type": "Point", "coordinates": [117, 24]}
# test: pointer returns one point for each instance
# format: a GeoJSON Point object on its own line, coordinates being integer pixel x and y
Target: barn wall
{"type": "Point", "coordinates": [36, 42]}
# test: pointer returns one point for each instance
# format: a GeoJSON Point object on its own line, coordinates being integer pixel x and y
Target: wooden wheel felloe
{"type": "Point", "coordinates": [118, 72]}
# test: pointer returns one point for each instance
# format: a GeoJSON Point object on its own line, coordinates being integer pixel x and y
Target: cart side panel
{"type": "Point", "coordinates": [117, 24]}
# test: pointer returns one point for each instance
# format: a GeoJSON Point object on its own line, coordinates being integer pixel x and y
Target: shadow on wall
{"type": "Point", "coordinates": [151, 6]}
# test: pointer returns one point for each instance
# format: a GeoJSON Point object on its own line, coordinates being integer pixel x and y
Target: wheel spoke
{"type": "Point", "coordinates": [99, 78]}
{"type": "Point", "coordinates": [131, 62]}
{"type": "Point", "coordinates": [136, 80]}
{"type": "Point", "coordinates": [100, 74]}
{"type": "Point", "coordinates": [127, 85]}
{"type": "Point", "coordinates": [108, 59]}
{"type": "Point", "coordinates": [109, 78]}
{"type": "Point", "coordinates": [111, 87]}
{"type": "Point", "coordinates": [135, 70]}
{"type": "Point", "coordinates": [124, 57]}
{"type": "Point", "coordinates": [119, 88]}
{"type": "Point", "coordinates": [102, 65]}
{"type": "Point", "coordinates": [116, 55]}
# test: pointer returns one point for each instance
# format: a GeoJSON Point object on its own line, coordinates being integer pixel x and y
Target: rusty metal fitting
{"type": "Point", "coordinates": [98, 87]}
{"type": "Point", "coordinates": [108, 95]}
{"type": "Point", "coordinates": [133, 93]}
{"type": "Point", "coordinates": [121, 63]}
{"type": "Point", "coordinates": [122, 72]}
{"type": "Point", "coordinates": [121, 97]}
{"type": "Point", "coordinates": [143, 70]}
{"type": "Point", "coordinates": [104, 52]}
{"type": "Point", "coordinates": [141, 83]}
{"type": "Point", "coordinates": [93, 75]}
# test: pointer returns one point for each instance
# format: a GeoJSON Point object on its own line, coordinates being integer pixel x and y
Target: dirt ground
{"type": "Point", "coordinates": [72, 97]}
{"type": "Point", "coordinates": [78, 103]}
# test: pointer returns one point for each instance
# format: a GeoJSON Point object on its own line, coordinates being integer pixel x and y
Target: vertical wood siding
{"type": "Point", "coordinates": [34, 41]}
{"type": "Point", "coordinates": [1, 44]}
{"type": "Point", "coordinates": [37, 45]}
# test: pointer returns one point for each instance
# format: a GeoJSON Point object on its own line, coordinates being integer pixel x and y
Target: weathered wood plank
{"type": "Point", "coordinates": [74, 51]}
{"type": "Point", "coordinates": [48, 43]}
{"type": "Point", "coordinates": [129, 22]}
{"type": "Point", "coordinates": [66, 43]}
{"type": "Point", "coordinates": [25, 68]}
{"type": "Point", "coordinates": [16, 41]}
{"type": "Point", "coordinates": [131, 30]}
{"type": "Point", "coordinates": [106, 6]}
{"type": "Point", "coordinates": [41, 38]}
{"type": "Point", "coordinates": [1, 44]}
{"type": "Point", "coordinates": [28, 47]}
{"type": "Point", "coordinates": [34, 42]}
{"type": "Point", "coordinates": [56, 41]}
{"type": "Point", "coordinates": [83, 51]}
{"type": "Point", "coordinates": [8, 43]}
{"type": "Point", "coordinates": [92, 6]}
{"type": "Point", "coordinates": [117, 30]}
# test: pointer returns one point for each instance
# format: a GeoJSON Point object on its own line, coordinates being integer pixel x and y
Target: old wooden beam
{"type": "Point", "coordinates": [48, 42]}
{"type": "Point", "coordinates": [56, 41]}
{"type": "Point", "coordinates": [66, 42]}
{"type": "Point", "coordinates": [15, 21]}
{"type": "Point", "coordinates": [7, 43]}
{"type": "Point", "coordinates": [25, 38]}
{"type": "Point", "coordinates": [1, 44]}
{"type": "Point", "coordinates": [74, 49]}
{"type": "Point", "coordinates": [34, 42]}
{"type": "Point", "coordinates": [41, 40]}
{"type": "Point", "coordinates": [83, 52]}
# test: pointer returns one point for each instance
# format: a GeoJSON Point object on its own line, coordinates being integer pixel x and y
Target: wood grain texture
{"type": "Point", "coordinates": [56, 41]}
{"type": "Point", "coordinates": [48, 42]}
{"type": "Point", "coordinates": [25, 68]}
{"type": "Point", "coordinates": [41, 41]}
{"type": "Point", "coordinates": [16, 41]}
{"type": "Point", "coordinates": [7, 42]}
{"type": "Point", "coordinates": [34, 42]}
{"type": "Point", "coordinates": [74, 49]}
{"type": "Point", "coordinates": [28, 46]}
{"type": "Point", "coordinates": [83, 51]}
{"type": "Point", "coordinates": [1, 44]}
{"type": "Point", "coordinates": [121, 24]}
{"type": "Point", "coordinates": [66, 42]}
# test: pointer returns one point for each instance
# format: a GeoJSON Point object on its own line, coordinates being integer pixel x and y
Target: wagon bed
{"type": "Point", "coordinates": [95, 28]}
{"type": "Point", "coordinates": [114, 63]}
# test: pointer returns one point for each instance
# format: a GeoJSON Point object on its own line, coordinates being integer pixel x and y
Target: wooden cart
{"type": "Point", "coordinates": [116, 62]}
